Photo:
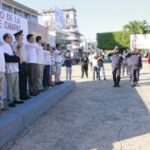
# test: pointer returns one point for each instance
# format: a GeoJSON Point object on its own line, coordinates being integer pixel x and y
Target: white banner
{"type": "Point", "coordinates": [59, 17]}
{"type": "Point", "coordinates": [11, 23]}
{"type": "Point", "coordinates": [140, 41]}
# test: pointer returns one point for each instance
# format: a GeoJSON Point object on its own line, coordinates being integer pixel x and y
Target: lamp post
{"type": "Point", "coordinates": [1, 4]}
{"type": "Point", "coordinates": [85, 41]}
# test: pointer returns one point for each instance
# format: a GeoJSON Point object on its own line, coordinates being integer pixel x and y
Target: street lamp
{"type": "Point", "coordinates": [0, 4]}
{"type": "Point", "coordinates": [86, 46]}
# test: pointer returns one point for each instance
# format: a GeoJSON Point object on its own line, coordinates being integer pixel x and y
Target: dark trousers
{"type": "Point", "coordinates": [95, 71]}
{"type": "Point", "coordinates": [134, 74]}
{"type": "Point", "coordinates": [23, 74]}
{"type": "Point", "coordinates": [116, 75]}
{"type": "Point", "coordinates": [32, 69]}
{"type": "Point", "coordinates": [84, 69]}
{"type": "Point", "coordinates": [46, 75]}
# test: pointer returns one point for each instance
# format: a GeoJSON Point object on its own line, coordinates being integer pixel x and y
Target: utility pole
{"type": "Point", "coordinates": [0, 4]}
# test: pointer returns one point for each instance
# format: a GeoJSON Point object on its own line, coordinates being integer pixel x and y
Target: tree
{"type": "Point", "coordinates": [137, 27]}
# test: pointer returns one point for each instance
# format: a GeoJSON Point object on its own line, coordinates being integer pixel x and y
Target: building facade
{"type": "Point", "coordinates": [70, 28]}
{"type": "Point", "coordinates": [20, 10]}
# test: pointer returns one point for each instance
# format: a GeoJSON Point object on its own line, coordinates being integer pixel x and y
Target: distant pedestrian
{"type": "Point", "coordinates": [84, 65]}
{"type": "Point", "coordinates": [116, 65]}
{"type": "Point", "coordinates": [91, 60]}
{"type": "Point", "coordinates": [68, 64]}
{"type": "Point", "coordinates": [58, 63]}
{"type": "Point", "coordinates": [100, 63]}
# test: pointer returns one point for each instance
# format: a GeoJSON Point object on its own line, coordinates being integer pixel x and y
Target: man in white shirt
{"type": "Point", "coordinates": [2, 71]}
{"type": "Point", "coordinates": [32, 64]}
{"type": "Point", "coordinates": [47, 64]}
{"type": "Point", "coordinates": [20, 50]}
{"type": "Point", "coordinates": [58, 61]}
{"type": "Point", "coordinates": [40, 64]}
{"type": "Point", "coordinates": [12, 70]}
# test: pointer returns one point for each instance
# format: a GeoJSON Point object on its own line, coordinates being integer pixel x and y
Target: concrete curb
{"type": "Point", "coordinates": [15, 120]}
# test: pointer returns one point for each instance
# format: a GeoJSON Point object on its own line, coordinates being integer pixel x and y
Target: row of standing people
{"type": "Point", "coordinates": [26, 64]}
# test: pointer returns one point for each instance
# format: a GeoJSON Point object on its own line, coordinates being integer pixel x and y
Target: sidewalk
{"type": "Point", "coordinates": [95, 116]}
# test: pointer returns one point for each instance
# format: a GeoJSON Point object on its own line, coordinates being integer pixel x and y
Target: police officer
{"type": "Point", "coordinates": [116, 65]}
{"type": "Point", "coordinates": [136, 65]}
{"type": "Point", "coordinates": [20, 50]}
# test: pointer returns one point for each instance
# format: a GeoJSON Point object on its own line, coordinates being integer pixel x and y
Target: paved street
{"type": "Point", "coordinates": [95, 116]}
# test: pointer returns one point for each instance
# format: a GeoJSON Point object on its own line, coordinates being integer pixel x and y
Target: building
{"type": "Point", "coordinates": [27, 13]}
{"type": "Point", "coordinates": [20, 10]}
{"type": "Point", "coordinates": [69, 31]}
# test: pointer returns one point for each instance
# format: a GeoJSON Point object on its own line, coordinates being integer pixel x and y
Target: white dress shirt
{"type": "Point", "coordinates": [2, 59]}
{"type": "Point", "coordinates": [40, 54]}
{"type": "Point", "coordinates": [94, 61]}
{"type": "Point", "coordinates": [31, 52]}
{"type": "Point", "coordinates": [10, 67]}
{"type": "Point", "coordinates": [57, 56]}
{"type": "Point", "coordinates": [47, 57]}
{"type": "Point", "coordinates": [22, 52]}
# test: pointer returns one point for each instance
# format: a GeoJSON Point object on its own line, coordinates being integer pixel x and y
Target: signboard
{"type": "Point", "coordinates": [11, 23]}
{"type": "Point", "coordinates": [140, 41]}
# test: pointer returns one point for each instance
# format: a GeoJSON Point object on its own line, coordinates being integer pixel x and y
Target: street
{"type": "Point", "coordinates": [95, 116]}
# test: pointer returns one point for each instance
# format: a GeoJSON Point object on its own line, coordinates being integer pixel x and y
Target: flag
{"type": "Point", "coordinates": [59, 17]}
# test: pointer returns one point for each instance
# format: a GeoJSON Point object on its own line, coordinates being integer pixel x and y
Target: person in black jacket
{"type": "Point", "coordinates": [116, 65]}
{"type": "Point", "coordinates": [12, 70]}
{"type": "Point", "coordinates": [84, 65]}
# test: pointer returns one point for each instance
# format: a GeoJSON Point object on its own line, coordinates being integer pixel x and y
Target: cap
{"type": "Point", "coordinates": [18, 33]}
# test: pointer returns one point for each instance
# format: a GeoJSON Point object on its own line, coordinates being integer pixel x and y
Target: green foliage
{"type": "Point", "coordinates": [122, 38]}
{"type": "Point", "coordinates": [110, 39]}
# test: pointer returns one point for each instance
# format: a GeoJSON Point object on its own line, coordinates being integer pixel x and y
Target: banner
{"type": "Point", "coordinates": [140, 41]}
{"type": "Point", "coordinates": [11, 23]}
{"type": "Point", "coordinates": [59, 17]}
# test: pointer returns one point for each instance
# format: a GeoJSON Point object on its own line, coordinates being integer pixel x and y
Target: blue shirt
{"type": "Point", "coordinates": [68, 62]}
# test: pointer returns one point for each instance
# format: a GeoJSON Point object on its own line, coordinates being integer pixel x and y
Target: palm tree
{"type": "Point", "coordinates": [137, 27]}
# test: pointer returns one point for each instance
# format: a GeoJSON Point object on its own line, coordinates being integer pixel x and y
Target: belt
{"type": "Point", "coordinates": [23, 63]}
{"type": "Point", "coordinates": [58, 62]}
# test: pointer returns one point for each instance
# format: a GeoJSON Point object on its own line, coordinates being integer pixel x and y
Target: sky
{"type": "Point", "coordinates": [96, 16]}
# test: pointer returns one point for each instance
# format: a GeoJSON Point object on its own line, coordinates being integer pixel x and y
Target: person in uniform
{"type": "Point", "coordinates": [20, 51]}
{"type": "Point", "coordinates": [12, 70]}
{"type": "Point", "coordinates": [116, 65]}
{"type": "Point", "coordinates": [40, 63]}
{"type": "Point", "coordinates": [84, 65]}
{"type": "Point", "coordinates": [32, 64]}
{"type": "Point", "coordinates": [58, 63]}
{"type": "Point", "coordinates": [136, 65]}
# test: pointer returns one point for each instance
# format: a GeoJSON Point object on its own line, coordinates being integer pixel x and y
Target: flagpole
{"type": "Point", "coordinates": [0, 4]}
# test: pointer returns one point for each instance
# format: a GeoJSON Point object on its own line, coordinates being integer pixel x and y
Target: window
{"type": "Point", "coordinates": [18, 12]}
{"type": "Point", "coordinates": [7, 8]}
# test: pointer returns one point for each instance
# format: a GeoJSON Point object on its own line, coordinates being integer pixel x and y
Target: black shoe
{"type": "Point", "coordinates": [114, 85]}
{"type": "Point", "coordinates": [57, 83]}
{"type": "Point", "coordinates": [11, 105]}
{"type": "Point", "coordinates": [118, 85]}
{"type": "Point", "coordinates": [18, 102]}
{"type": "Point", "coordinates": [4, 109]}
{"type": "Point", "coordinates": [25, 98]}
{"type": "Point", "coordinates": [61, 82]}
{"type": "Point", "coordinates": [34, 93]}
{"type": "Point", "coordinates": [105, 79]}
